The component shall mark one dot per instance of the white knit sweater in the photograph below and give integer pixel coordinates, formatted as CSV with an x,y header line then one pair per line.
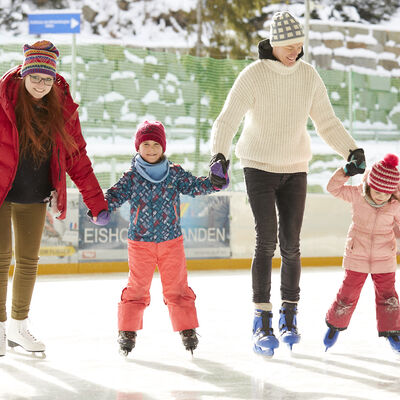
x,y
276,101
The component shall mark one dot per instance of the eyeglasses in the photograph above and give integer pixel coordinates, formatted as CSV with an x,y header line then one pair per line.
x,y
37,80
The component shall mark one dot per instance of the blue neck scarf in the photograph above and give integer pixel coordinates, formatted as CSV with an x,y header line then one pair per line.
x,y
155,173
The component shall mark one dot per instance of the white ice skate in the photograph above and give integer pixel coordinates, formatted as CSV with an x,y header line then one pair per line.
x,y
19,335
2,339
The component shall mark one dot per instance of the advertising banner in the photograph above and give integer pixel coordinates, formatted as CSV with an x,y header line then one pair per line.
x,y
205,227
60,239
103,243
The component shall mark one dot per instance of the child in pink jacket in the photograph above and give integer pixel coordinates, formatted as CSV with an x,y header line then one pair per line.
x,y
370,249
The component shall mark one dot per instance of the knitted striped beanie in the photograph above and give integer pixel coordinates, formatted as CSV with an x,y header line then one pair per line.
x,y
384,176
285,30
40,58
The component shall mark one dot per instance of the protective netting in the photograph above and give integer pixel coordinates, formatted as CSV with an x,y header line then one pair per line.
x,y
118,87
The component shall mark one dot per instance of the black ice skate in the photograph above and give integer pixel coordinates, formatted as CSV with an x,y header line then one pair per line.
x,y
126,341
189,339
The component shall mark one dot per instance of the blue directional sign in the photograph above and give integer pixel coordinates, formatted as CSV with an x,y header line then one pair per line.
x,y
54,23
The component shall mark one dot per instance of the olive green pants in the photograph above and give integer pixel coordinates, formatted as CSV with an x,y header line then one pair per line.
x,y
28,223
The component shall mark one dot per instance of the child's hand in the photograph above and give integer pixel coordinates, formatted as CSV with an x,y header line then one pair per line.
x,y
219,171
356,163
102,219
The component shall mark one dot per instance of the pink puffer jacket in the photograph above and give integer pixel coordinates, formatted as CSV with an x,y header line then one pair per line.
x,y
371,243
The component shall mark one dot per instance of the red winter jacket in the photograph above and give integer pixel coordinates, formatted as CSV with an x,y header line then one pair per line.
x,y
78,166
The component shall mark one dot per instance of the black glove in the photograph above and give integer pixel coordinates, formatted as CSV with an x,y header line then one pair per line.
x,y
356,163
219,171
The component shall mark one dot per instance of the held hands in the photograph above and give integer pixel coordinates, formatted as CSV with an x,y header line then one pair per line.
x,y
102,219
356,163
219,171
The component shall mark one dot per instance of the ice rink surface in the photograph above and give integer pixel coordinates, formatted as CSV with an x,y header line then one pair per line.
x,y
76,317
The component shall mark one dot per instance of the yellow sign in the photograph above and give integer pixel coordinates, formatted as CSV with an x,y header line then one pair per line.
x,y
57,251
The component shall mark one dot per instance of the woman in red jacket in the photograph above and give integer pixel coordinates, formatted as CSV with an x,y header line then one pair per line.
x,y
40,141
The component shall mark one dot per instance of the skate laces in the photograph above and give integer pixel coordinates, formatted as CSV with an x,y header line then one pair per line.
x,y
266,328
131,335
289,311
28,333
188,333
189,339
24,331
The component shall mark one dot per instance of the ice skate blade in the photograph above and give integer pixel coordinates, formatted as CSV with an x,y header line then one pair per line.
x,y
14,344
397,352
124,353
190,349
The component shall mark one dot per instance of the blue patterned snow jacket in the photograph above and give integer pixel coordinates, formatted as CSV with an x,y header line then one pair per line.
x,y
155,207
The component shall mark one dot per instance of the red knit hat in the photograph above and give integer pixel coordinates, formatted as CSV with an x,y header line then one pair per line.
x,y
151,130
384,176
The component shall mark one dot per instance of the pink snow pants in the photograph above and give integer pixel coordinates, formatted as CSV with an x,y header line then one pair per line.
x,y
386,300
170,258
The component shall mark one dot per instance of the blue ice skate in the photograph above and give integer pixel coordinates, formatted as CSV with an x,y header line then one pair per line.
x,y
288,324
263,335
331,336
394,341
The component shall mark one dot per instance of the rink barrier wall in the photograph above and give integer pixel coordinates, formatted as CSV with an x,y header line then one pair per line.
x,y
323,237
192,265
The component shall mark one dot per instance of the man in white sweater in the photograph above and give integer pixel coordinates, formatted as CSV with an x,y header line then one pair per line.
x,y
276,95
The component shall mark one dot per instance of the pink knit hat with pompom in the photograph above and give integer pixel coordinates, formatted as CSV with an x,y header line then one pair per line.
x,y
384,176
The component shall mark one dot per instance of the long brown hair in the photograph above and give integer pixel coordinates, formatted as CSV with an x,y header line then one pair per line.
x,y
38,122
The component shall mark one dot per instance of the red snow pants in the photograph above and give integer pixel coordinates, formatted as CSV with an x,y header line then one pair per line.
x,y
170,258
386,300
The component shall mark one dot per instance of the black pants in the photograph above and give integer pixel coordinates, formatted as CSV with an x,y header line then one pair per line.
x,y
268,192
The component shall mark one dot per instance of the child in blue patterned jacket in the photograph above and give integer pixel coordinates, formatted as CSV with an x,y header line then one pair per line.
x,y
152,186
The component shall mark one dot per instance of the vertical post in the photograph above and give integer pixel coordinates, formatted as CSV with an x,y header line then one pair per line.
x,y
199,17
306,30
73,66
113,172
198,97
350,92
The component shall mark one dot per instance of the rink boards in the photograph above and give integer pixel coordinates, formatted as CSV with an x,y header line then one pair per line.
x,y
218,232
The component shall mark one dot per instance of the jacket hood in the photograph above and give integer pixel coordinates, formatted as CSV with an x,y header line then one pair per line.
x,y
9,88
265,51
